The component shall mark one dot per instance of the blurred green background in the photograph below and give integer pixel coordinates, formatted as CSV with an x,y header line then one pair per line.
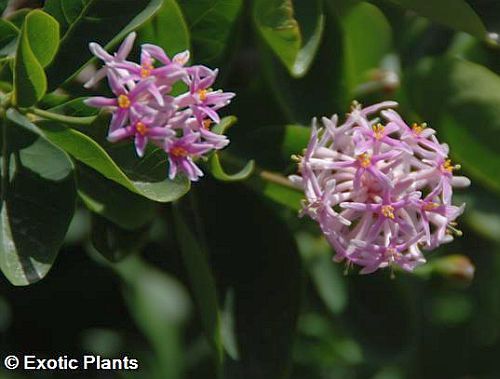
x,y
279,307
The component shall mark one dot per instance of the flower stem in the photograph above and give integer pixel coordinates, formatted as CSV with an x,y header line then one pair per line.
x,y
62,118
277,179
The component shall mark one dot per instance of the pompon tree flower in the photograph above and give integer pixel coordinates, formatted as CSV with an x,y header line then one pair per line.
x,y
380,190
145,111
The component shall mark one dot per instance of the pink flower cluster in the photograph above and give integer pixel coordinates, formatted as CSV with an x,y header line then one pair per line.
x,y
144,109
380,190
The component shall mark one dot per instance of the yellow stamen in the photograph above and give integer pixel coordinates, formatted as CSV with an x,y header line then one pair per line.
x,y
123,102
146,69
452,230
206,123
388,211
141,128
365,160
378,130
178,152
202,93
447,166
418,128
430,206
181,59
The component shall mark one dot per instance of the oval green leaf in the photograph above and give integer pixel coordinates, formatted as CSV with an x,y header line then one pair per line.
x,y
201,280
293,31
38,202
8,35
104,21
167,29
211,23
456,14
86,150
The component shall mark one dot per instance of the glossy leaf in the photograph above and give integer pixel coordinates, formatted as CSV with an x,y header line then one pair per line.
x,y
200,276
148,180
114,242
218,172
323,83
167,29
8,35
363,52
37,45
293,31
75,108
325,273
38,200
3,5
106,198
42,31
377,307
160,306
482,212
456,14
211,23
465,106
106,22
30,83
256,257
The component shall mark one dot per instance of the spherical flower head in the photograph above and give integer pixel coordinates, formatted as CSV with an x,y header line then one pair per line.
x,y
380,190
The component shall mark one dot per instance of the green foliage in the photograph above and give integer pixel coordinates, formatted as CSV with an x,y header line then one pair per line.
x,y
200,277
8,35
362,63
457,14
37,45
167,29
103,21
211,23
149,181
293,31
469,112
268,300
38,200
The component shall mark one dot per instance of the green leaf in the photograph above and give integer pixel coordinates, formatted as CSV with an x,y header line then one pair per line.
x,y
456,14
325,273
377,307
106,22
75,108
200,275
218,172
257,257
167,29
36,48
223,126
463,101
17,18
160,306
146,177
30,83
293,31
42,31
114,242
277,144
322,84
211,23
3,5
363,52
38,200
482,212
106,198
8,36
